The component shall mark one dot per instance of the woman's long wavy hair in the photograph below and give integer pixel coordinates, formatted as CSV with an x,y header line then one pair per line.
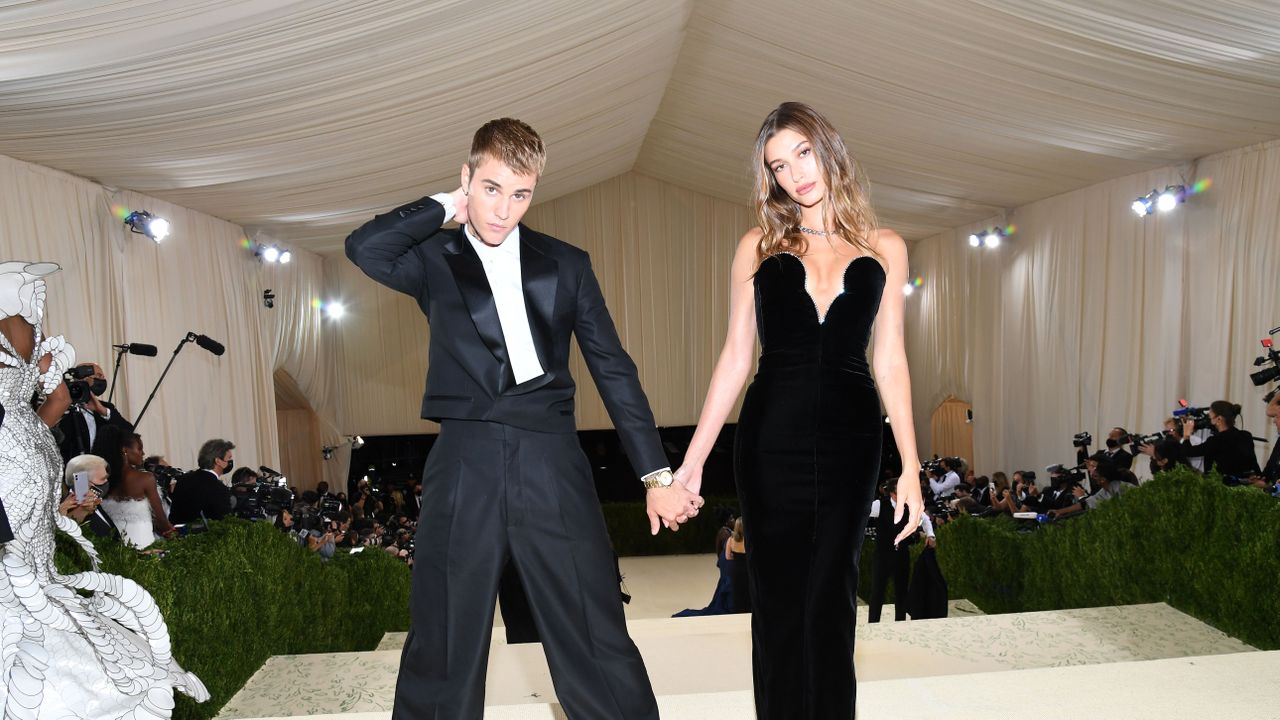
x,y
846,205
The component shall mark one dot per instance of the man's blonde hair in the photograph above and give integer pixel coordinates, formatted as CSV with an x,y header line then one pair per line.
x,y
82,463
512,143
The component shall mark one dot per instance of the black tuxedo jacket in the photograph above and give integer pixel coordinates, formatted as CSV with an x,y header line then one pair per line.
x,y
75,430
199,492
102,525
469,373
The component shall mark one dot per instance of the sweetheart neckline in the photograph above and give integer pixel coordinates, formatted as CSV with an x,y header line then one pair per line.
x,y
820,315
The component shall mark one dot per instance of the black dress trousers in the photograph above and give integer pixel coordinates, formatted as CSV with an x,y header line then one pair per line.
x,y
490,493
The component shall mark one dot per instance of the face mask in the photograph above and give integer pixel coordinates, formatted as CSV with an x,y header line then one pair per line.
x,y
230,466
1112,444
98,387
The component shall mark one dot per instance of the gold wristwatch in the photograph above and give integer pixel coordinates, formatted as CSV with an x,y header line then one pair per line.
x,y
658,479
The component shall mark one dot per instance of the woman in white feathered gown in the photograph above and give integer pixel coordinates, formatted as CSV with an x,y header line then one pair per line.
x,y
63,655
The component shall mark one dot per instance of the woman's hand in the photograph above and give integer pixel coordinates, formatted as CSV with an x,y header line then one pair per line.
x,y
69,503
691,477
909,502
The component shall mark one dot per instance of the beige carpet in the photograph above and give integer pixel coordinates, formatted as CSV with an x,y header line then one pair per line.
x,y
693,661
1233,687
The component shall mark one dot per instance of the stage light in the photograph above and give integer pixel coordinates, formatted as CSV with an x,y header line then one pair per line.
x,y
908,289
144,223
285,257
357,442
1168,199
990,237
335,310
1142,206
270,253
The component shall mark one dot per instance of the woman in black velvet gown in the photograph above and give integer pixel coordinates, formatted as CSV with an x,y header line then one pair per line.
x,y
812,280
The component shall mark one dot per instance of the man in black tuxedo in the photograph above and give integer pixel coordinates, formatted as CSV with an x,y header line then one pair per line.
x,y
507,478
201,492
80,424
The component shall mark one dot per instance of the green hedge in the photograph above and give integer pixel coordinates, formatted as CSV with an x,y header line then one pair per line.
x,y
243,592
1209,550
628,527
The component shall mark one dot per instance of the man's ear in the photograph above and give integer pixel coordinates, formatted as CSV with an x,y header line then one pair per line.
x,y
466,178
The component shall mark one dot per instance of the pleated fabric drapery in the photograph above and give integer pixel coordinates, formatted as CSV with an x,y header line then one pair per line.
x,y
1090,317
118,287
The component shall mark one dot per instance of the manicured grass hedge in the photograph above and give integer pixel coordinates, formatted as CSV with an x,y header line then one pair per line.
x,y
628,527
1209,550
242,592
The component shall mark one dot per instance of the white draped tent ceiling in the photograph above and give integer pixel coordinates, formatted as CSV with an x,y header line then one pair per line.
x,y
298,119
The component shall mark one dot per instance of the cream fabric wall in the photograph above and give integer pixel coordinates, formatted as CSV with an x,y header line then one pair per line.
x,y
662,256
121,287
1092,317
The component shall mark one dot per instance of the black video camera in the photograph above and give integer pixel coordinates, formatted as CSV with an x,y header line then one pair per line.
x,y
165,475
1271,357
1081,440
1137,441
77,386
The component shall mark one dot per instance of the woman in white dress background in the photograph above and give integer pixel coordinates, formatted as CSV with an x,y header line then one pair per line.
x,y
101,656
132,499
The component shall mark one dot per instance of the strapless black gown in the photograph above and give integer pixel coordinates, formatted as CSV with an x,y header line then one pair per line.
x,y
806,459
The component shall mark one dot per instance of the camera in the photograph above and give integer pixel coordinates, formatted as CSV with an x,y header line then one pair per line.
x,y
1081,440
165,476
1137,441
1271,356
77,385
1200,415
266,497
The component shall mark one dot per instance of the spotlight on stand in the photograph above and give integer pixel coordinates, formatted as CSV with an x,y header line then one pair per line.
x,y
355,441
144,223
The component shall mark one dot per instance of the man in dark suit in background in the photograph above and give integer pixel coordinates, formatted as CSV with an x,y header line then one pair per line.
x,y
507,477
80,424
201,492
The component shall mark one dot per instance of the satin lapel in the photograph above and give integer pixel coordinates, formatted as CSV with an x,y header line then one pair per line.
x,y
468,272
540,275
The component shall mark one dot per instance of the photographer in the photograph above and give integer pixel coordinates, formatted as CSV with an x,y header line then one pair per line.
x,y
946,486
1106,477
1230,450
81,422
244,492
1115,451
1062,492
892,562
201,492
1271,473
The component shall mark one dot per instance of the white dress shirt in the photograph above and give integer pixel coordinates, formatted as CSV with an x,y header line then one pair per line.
x,y
502,269
947,485
926,524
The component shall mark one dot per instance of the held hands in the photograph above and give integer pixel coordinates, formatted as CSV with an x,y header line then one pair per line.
x,y
671,506
909,501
